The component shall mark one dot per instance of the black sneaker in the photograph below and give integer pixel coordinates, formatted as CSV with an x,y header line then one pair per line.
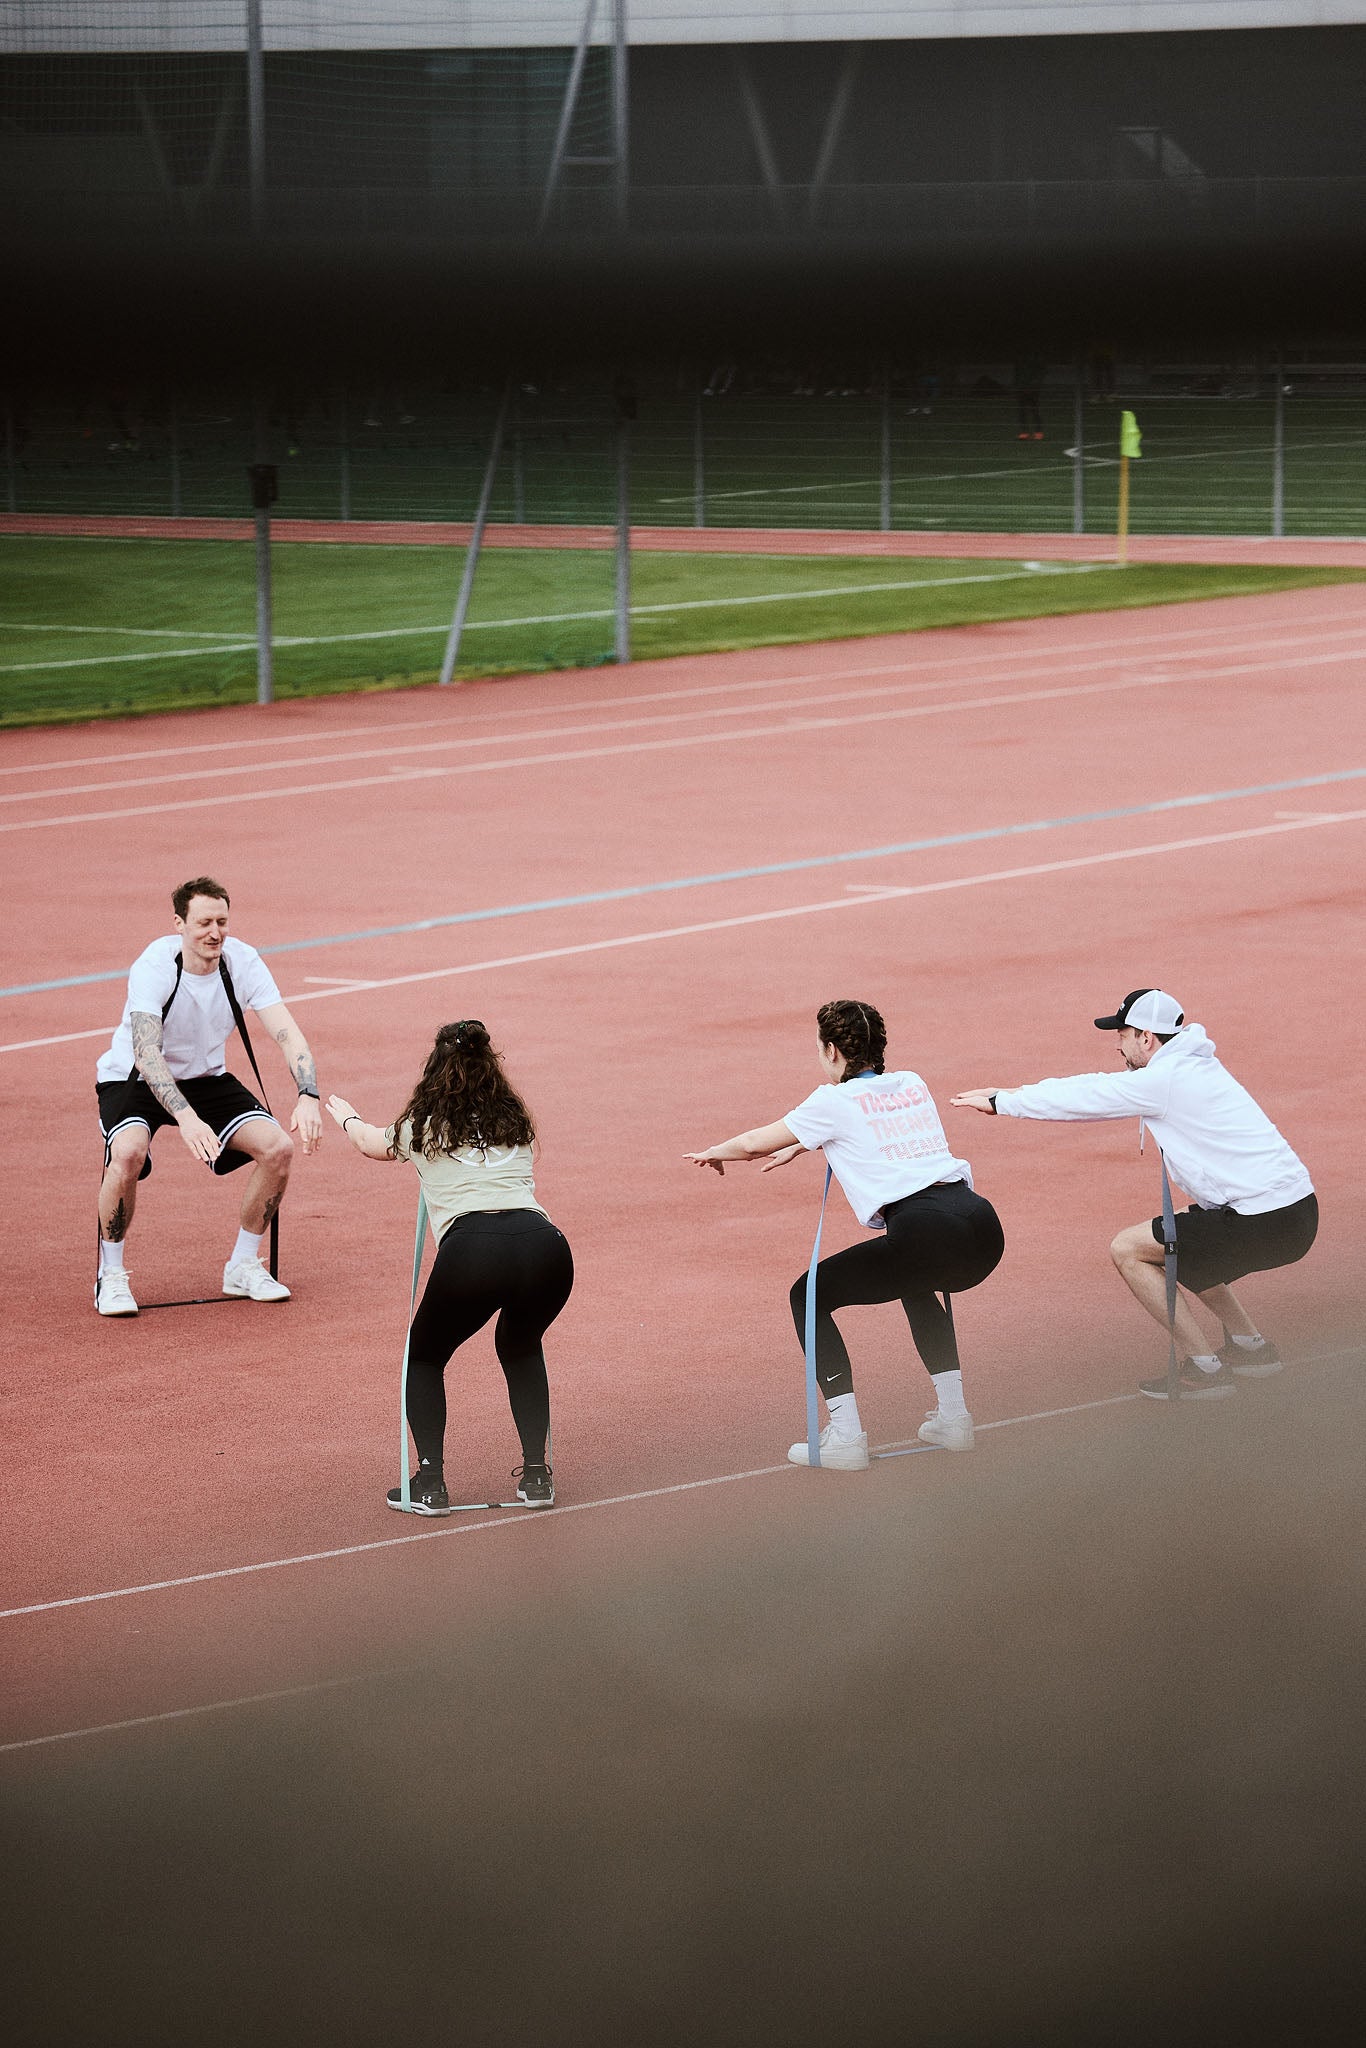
x,y
428,1494
535,1486
1196,1384
1251,1361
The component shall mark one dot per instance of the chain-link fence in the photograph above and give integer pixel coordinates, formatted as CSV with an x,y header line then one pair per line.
x,y
989,447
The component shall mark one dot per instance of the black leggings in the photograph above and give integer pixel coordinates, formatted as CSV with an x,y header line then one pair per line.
x,y
512,1263
945,1238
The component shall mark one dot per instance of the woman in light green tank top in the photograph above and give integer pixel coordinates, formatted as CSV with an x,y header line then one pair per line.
x,y
469,1136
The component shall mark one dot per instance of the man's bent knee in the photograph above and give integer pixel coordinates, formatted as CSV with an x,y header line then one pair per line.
x,y
126,1157
1135,1241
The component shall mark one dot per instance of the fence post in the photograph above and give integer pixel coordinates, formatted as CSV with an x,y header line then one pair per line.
x,y
885,453
481,520
263,486
518,468
622,579
1079,448
256,118
177,502
699,459
344,455
1278,451
11,472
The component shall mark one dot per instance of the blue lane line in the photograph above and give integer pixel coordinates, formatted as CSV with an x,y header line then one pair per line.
x,y
777,867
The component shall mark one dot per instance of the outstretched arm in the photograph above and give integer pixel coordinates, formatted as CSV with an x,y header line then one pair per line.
x,y
749,1145
307,1119
367,1138
151,1063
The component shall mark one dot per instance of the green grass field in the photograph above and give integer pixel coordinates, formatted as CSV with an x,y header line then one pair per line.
x,y
756,460
92,628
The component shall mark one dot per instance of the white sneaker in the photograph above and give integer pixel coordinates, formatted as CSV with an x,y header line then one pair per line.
x,y
249,1278
113,1294
838,1453
950,1432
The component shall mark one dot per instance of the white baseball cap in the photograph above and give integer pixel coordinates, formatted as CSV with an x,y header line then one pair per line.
x,y
1146,1009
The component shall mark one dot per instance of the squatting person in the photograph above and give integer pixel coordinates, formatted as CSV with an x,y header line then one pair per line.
x,y
469,1136
1253,1205
165,1066
885,1145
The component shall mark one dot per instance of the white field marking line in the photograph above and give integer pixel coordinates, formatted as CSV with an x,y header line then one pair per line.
x,y
467,1529
1174,630
142,632
848,901
692,604
723,924
908,480
788,727
352,980
1263,644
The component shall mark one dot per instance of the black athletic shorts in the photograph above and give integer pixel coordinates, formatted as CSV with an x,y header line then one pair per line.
x,y
220,1099
1217,1245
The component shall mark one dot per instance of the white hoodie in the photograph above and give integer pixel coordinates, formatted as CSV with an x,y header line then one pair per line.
x,y
1221,1148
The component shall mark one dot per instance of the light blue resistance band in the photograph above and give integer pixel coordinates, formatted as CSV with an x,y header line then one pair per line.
x,y
1169,1272
813,1427
405,1491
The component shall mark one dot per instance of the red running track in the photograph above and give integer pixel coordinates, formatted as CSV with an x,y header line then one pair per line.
x,y
217,1439
1220,550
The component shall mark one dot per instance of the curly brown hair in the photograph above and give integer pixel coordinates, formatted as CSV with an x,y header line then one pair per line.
x,y
857,1031
464,1097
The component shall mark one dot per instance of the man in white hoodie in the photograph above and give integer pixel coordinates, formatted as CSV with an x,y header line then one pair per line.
x,y
1252,1203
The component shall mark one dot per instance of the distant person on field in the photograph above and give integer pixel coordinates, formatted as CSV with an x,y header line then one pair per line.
x,y
885,1145
1253,1205
165,1066
1029,374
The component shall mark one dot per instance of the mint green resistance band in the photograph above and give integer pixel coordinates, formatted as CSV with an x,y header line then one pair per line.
x,y
813,1420
405,1484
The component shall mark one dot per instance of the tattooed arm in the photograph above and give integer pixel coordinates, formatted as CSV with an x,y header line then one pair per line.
x,y
151,1063
307,1119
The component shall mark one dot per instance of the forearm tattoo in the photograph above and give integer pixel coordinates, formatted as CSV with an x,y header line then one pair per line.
x,y
151,1062
116,1229
301,1062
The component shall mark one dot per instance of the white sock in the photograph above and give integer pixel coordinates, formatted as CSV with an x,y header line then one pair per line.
x,y
948,1387
111,1256
1206,1361
844,1415
1249,1343
246,1247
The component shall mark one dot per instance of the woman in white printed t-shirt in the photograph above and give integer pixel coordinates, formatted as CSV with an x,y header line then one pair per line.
x,y
885,1145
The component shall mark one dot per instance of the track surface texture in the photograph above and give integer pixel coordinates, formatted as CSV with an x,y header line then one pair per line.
x,y
1345,552
645,881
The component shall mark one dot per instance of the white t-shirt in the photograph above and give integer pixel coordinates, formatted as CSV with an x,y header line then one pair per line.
x,y
882,1139
198,1024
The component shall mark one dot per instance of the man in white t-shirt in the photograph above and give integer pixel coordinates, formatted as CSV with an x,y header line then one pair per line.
x,y
165,1066
1253,1205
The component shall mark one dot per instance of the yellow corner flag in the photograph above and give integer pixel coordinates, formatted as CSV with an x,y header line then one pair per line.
x,y
1129,436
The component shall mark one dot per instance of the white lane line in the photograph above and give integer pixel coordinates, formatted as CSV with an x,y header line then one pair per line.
x,y
338,980
915,684
140,632
786,728
469,1529
1168,638
722,924
692,604
519,1519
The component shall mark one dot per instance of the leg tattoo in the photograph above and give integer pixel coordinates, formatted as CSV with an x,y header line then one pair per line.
x,y
269,1212
117,1227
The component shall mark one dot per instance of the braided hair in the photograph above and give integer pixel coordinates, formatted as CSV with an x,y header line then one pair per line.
x,y
464,1097
857,1031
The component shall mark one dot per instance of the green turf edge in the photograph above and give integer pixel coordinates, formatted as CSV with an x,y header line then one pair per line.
x,y
1138,587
